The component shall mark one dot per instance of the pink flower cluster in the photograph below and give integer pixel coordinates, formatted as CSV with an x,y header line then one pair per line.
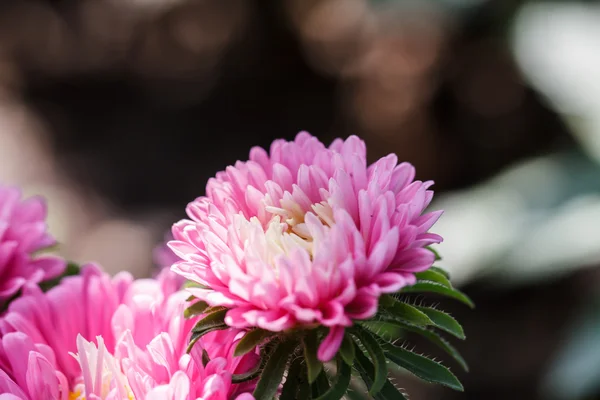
x,y
23,232
96,337
306,234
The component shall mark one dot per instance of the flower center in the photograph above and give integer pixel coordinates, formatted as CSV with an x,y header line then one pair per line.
x,y
287,230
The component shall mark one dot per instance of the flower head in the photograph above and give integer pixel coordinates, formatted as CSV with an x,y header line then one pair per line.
x,y
23,231
93,337
306,234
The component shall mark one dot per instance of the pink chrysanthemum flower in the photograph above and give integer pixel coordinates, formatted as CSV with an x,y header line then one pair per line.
x,y
93,337
23,231
306,235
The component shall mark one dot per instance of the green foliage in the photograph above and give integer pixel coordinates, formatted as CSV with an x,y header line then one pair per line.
x,y
272,373
347,350
342,382
397,310
251,340
71,269
195,309
439,341
422,367
292,381
293,354
444,322
367,372
321,385
314,366
213,321
438,288
368,340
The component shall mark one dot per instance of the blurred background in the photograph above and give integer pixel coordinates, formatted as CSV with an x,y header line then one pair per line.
x,y
120,110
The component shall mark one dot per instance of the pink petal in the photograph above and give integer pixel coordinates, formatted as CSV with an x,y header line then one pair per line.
x,y
330,346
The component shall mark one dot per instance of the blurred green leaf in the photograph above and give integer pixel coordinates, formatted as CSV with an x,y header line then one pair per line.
x,y
314,366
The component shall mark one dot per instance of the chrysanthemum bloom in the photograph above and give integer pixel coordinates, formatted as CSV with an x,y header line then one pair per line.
x,y
93,337
306,235
23,231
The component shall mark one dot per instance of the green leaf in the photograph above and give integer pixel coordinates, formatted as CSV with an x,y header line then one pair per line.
x,y
342,382
321,385
205,357
192,284
422,367
433,276
214,309
376,353
435,253
441,271
347,349
444,322
247,376
406,312
210,320
196,336
292,382
272,374
310,355
195,309
304,388
71,269
367,373
48,249
434,287
439,341
250,340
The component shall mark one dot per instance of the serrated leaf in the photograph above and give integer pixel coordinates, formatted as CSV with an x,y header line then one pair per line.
x,y
347,349
314,366
367,372
272,374
210,320
197,336
376,353
340,385
434,287
406,312
422,367
292,382
435,253
321,385
214,309
444,321
250,340
195,309
433,276
439,341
